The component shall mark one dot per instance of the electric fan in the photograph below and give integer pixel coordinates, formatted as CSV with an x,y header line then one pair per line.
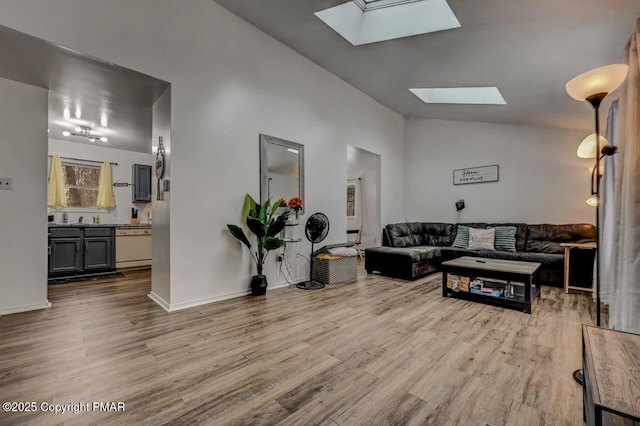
x,y
316,230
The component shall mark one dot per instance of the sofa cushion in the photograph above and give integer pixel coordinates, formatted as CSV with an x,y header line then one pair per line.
x,y
478,225
505,238
438,234
413,254
499,254
449,253
405,234
481,239
521,233
544,258
546,238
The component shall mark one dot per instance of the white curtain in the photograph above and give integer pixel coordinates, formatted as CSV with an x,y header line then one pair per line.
x,y
621,225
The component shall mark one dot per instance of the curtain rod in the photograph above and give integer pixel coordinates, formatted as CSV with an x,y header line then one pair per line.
x,y
88,161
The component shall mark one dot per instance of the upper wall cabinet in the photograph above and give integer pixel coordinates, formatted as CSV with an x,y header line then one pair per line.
x,y
141,191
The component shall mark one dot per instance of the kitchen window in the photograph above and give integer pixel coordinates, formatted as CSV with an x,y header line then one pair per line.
x,y
81,184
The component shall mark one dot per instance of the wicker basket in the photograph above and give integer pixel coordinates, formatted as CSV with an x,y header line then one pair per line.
x,y
335,270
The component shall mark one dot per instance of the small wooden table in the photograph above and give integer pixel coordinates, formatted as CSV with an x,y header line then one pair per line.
x,y
523,274
611,388
567,263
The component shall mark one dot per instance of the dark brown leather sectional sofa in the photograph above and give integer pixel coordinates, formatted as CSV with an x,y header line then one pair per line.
x,y
414,249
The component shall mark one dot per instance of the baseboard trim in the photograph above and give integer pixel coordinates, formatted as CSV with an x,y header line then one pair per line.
x,y
205,301
25,308
159,301
199,302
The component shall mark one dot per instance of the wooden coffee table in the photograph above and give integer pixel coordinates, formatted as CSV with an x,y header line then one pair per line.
x,y
513,284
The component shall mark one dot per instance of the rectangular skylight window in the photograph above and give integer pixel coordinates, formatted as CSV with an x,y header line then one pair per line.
x,y
375,4
383,20
461,95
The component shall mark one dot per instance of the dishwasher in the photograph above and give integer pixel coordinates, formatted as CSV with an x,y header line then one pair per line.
x,y
133,247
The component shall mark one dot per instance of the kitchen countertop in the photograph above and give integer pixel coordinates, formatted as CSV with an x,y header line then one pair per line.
x,y
99,225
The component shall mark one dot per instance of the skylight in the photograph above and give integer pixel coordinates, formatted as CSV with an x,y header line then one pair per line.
x,y
461,95
371,21
366,5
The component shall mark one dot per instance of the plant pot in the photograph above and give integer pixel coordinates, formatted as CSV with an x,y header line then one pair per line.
x,y
259,285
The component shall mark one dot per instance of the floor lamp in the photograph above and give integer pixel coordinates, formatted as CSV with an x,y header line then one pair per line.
x,y
593,86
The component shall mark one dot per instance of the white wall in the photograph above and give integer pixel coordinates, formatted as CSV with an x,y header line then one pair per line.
x,y
230,82
23,224
120,173
364,165
161,256
541,178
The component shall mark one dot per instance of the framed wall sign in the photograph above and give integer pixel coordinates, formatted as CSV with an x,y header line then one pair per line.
x,y
476,175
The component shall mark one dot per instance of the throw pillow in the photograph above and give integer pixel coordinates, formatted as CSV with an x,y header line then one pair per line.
x,y
481,239
343,251
506,238
462,237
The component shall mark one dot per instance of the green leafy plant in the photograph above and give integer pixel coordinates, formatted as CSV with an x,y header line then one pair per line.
x,y
265,225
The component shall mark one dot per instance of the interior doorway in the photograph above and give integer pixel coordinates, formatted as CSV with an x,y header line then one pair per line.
x,y
109,209
363,196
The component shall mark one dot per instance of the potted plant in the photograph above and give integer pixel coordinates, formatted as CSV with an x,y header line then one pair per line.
x,y
265,225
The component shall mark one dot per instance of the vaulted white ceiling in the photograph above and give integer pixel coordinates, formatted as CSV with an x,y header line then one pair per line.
x,y
529,49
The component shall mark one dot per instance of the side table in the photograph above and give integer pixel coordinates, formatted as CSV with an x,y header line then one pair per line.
x,y
567,263
611,377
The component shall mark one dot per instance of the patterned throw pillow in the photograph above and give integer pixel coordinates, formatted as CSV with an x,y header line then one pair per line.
x,y
462,237
481,239
506,238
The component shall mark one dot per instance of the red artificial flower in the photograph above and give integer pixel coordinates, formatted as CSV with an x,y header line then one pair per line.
x,y
295,203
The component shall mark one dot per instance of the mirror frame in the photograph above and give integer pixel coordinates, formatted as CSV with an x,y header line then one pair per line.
x,y
264,169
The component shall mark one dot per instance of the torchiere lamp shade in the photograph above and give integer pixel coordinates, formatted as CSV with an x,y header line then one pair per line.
x,y
588,149
593,201
599,80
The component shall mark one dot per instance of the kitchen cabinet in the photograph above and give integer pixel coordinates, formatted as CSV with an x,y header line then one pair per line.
x,y
141,190
98,249
64,251
81,251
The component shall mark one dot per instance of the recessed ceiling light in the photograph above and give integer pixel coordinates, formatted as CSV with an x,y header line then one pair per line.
x,y
66,133
388,21
104,139
78,129
461,95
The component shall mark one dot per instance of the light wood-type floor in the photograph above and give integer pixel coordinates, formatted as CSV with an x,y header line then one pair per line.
x,y
378,351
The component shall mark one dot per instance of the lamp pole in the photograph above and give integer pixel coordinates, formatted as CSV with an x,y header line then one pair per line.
x,y
602,81
595,101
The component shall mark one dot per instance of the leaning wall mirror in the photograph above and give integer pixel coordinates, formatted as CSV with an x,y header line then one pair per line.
x,y
281,169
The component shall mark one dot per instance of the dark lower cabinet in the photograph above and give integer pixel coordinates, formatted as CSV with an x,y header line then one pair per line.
x,y
97,253
64,257
81,251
